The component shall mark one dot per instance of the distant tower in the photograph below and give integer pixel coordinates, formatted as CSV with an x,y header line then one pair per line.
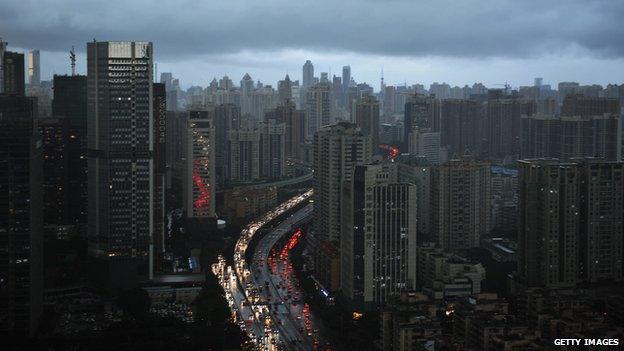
x,y
308,74
72,59
346,77
34,74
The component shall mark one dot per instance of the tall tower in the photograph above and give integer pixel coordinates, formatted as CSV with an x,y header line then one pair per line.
x,y
199,197
570,221
34,74
367,118
378,238
121,134
318,107
337,150
460,203
346,78
308,74
21,227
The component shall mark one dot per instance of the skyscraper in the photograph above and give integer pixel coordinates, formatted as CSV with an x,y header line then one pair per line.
x,y
296,128
21,252
34,75
199,190
337,150
460,203
308,74
367,118
284,89
346,78
570,221
503,125
243,154
423,112
272,157
159,103
13,73
120,124
227,117
460,127
378,239
2,50
318,107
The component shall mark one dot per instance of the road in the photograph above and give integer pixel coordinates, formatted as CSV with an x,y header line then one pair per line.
x,y
276,285
255,317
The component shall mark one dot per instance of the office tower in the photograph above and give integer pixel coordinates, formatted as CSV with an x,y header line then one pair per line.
x,y
243,154
425,143
21,252
417,170
159,97
346,77
337,92
461,127
367,118
503,125
69,107
271,156
378,239
570,221
199,192
296,128
308,74
227,117
246,88
34,73
337,150
120,125
166,78
388,101
566,137
460,203
423,112
318,107
284,89
13,71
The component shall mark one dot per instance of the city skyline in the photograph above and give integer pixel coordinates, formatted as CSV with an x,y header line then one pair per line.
x,y
464,44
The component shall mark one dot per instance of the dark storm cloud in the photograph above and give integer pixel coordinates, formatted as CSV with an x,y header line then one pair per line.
x,y
401,28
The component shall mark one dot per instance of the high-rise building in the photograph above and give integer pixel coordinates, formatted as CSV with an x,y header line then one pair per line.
x,y
69,107
13,73
120,137
243,154
461,127
296,128
21,252
425,143
367,118
284,89
571,216
199,198
246,88
378,239
346,77
337,150
583,106
503,125
460,203
34,73
3,46
423,112
308,74
318,107
567,88
566,137
272,149
227,117
159,97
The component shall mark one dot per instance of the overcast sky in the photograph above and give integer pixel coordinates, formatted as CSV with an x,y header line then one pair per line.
x,y
455,41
